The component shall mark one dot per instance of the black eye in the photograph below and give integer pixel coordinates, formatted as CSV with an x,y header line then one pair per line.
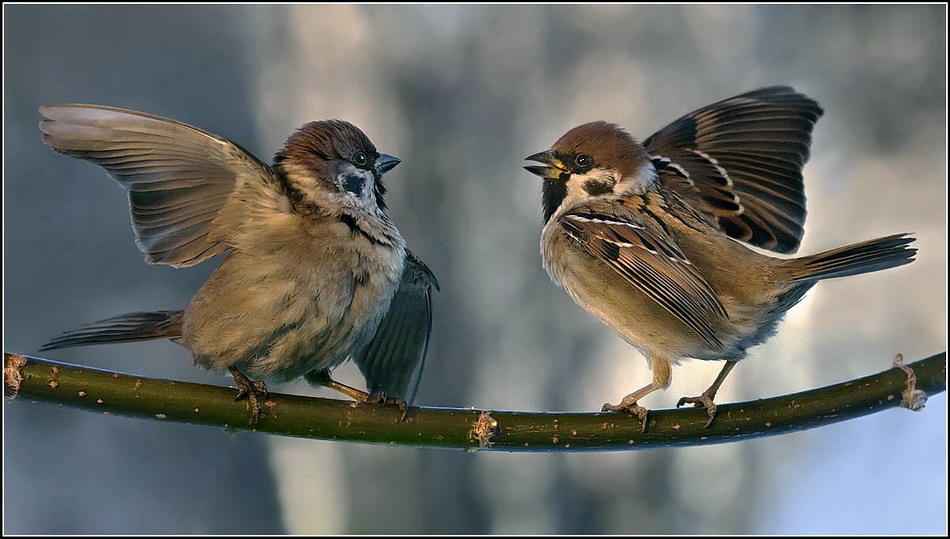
x,y
583,160
360,159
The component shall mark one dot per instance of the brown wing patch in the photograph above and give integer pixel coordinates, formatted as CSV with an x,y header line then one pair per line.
x,y
744,157
650,260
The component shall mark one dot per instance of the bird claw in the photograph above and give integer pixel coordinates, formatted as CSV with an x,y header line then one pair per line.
x,y
403,408
704,401
254,391
376,398
633,409
381,398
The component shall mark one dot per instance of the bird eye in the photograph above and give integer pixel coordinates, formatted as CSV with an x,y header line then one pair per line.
x,y
360,159
583,160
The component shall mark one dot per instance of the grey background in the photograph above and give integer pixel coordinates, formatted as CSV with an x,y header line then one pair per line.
x,y
462,94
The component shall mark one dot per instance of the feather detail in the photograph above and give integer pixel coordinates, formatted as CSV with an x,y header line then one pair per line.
x,y
179,178
648,257
744,157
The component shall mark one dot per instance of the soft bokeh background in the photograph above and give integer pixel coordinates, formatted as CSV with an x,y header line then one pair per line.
x,y
462,94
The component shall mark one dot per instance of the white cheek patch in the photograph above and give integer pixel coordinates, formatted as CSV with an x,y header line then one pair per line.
x,y
583,187
596,182
640,181
601,182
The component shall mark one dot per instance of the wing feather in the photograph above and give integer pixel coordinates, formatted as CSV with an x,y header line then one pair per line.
x,y
743,156
178,177
392,362
647,257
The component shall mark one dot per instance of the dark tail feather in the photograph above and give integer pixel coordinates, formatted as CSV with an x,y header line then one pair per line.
x,y
864,257
129,327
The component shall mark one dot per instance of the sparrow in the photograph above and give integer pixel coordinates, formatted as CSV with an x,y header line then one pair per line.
x,y
314,271
654,239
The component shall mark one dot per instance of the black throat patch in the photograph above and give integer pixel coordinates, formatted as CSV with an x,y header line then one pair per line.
x,y
553,192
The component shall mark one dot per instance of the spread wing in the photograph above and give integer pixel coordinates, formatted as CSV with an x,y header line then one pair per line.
x,y
743,156
392,362
646,256
178,177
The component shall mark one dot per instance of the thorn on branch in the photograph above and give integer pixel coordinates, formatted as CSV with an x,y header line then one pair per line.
x,y
484,428
12,375
911,398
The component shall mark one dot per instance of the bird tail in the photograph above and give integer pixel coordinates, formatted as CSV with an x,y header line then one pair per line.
x,y
129,327
855,259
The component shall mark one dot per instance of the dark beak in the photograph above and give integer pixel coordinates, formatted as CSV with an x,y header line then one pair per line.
x,y
385,163
554,169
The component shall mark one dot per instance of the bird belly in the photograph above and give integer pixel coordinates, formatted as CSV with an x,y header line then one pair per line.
x,y
607,296
283,315
646,325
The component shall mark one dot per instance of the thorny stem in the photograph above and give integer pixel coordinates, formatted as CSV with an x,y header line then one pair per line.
x,y
34,379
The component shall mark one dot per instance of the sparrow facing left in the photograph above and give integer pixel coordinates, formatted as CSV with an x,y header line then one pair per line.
x,y
651,238
315,272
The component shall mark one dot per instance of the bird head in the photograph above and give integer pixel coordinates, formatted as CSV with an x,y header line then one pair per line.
x,y
591,161
333,165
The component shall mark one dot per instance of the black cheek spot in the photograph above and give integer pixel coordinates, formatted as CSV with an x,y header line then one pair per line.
x,y
596,188
353,183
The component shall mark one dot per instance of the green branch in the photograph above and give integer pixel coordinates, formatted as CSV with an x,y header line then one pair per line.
x,y
33,379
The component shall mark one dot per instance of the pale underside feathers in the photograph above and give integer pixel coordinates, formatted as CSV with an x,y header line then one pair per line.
x,y
743,157
644,254
179,177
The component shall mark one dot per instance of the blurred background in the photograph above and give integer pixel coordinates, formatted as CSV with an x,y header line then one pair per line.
x,y
462,94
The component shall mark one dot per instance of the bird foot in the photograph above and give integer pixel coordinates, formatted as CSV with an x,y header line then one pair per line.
x,y
255,391
381,398
703,401
632,408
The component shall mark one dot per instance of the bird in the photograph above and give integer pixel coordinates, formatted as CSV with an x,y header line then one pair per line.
x,y
314,271
666,241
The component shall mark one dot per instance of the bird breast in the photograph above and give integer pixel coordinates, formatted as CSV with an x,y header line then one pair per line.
x,y
297,296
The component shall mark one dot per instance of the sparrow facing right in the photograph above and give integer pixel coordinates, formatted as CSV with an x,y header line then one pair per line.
x,y
651,238
315,272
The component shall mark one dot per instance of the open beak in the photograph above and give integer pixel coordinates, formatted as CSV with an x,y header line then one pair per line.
x,y
385,163
554,167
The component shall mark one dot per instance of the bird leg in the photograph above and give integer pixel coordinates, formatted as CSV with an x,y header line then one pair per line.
x,y
322,378
662,376
706,399
255,391
629,404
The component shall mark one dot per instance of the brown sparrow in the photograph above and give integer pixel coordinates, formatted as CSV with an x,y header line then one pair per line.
x,y
652,238
315,271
